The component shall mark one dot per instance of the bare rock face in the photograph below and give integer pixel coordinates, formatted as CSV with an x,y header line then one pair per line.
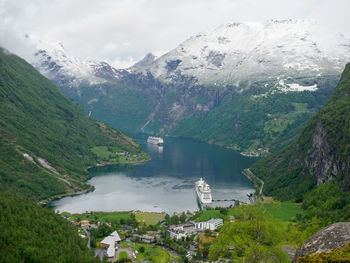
x,y
325,240
322,160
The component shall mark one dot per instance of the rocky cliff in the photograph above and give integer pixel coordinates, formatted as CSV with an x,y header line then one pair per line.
x,y
319,155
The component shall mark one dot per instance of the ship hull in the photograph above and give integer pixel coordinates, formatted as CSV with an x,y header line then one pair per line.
x,y
201,205
203,194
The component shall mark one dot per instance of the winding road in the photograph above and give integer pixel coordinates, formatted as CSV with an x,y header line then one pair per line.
x,y
247,172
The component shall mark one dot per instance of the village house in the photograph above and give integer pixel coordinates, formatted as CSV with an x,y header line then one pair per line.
x,y
178,234
125,228
144,238
84,223
211,224
181,231
189,227
110,243
147,239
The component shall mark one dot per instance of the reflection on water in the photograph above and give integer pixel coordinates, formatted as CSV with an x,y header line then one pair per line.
x,y
154,149
166,183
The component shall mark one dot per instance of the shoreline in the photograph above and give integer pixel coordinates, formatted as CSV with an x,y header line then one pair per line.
x,y
106,164
114,163
231,148
91,187
57,197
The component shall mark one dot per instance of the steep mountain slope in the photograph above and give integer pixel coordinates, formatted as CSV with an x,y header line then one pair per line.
x,y
30,233
320,155
46,141
247,86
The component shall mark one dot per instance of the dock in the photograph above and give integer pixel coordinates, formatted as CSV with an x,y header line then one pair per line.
x,y
224,200
220,203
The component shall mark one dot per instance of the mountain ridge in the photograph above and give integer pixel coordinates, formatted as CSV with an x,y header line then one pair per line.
x,y
236,52
254,113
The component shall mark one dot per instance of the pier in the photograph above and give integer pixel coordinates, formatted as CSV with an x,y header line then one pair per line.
x,y
219,203
224,200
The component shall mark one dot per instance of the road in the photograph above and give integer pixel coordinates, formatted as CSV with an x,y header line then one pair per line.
x,y
88,235
261,181
251,176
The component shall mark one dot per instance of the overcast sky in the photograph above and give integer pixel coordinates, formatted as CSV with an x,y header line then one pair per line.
x,y
123,31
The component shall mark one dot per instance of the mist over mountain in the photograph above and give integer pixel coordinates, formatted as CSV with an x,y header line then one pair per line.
x,y
264,80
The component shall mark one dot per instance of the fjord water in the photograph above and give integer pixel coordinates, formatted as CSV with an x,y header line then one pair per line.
x,y
166,183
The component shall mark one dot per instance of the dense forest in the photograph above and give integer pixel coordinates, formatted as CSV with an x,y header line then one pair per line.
x,y
46,141
30,233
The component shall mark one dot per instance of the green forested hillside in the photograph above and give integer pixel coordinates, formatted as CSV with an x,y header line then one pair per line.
x,y
252,121
248,122
30,233
319,156
46,141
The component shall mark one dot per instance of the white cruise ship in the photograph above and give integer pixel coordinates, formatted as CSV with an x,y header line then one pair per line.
x,y
203,192
155,140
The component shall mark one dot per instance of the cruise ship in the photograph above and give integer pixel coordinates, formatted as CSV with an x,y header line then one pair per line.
x,y
155,140
203,192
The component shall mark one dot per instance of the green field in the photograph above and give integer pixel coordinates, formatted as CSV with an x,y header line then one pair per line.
x,y
123,255
149,218
153,254
111,217
284,211
109,154
208,214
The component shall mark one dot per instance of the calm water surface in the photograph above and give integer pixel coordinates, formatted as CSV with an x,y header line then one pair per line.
x,y
166,183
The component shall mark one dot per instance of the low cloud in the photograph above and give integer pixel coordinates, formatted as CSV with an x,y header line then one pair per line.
x,y
122,32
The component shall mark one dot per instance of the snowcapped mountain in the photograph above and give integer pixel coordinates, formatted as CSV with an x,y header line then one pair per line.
x,y
237,52
147,60
232,54
54,62
246,86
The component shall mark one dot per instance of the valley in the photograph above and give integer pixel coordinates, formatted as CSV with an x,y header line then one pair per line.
x,y
245,86
259,110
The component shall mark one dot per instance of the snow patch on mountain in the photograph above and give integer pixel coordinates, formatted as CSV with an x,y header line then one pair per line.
x,y
284,87
54,62
238,52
